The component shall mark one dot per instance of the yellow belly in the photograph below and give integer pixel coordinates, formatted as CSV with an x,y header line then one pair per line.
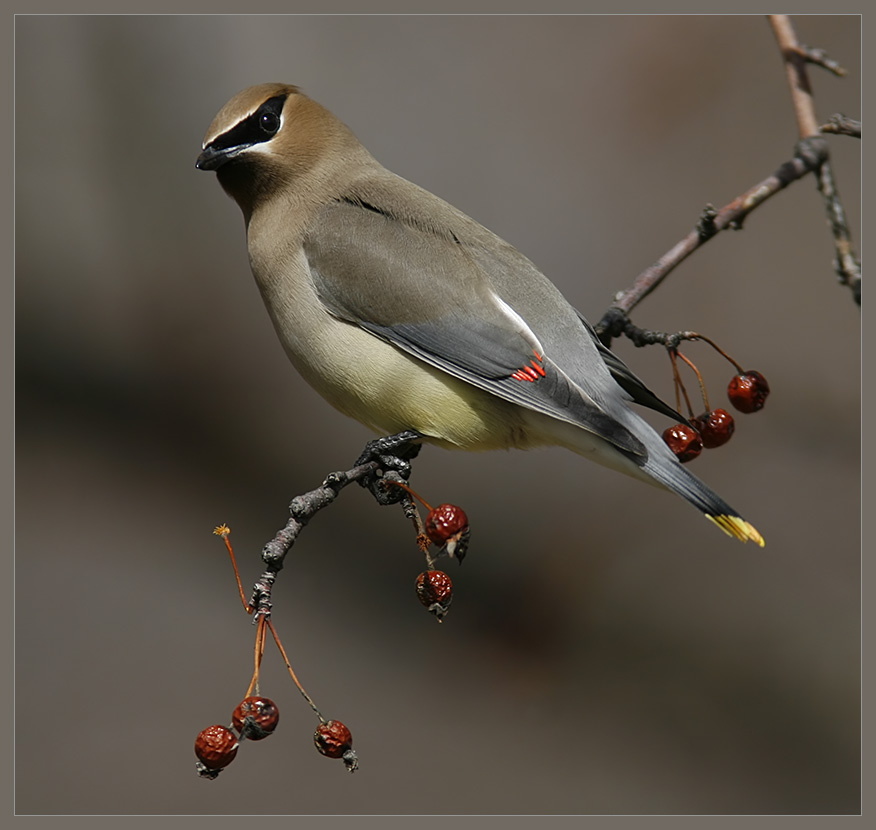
x,y
389,391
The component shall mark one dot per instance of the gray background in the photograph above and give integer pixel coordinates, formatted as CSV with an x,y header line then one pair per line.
x,y
608,651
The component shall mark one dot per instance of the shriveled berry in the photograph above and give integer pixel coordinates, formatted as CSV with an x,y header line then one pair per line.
x,y
447,525
332,739
434,586
216,747
748,391
715,427
435,591
684,441
256,717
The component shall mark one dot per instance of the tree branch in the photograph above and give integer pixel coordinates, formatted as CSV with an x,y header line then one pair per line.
x,y
810,154
304,507
796,56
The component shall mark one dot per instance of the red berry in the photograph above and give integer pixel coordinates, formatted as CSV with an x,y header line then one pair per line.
x,y
684,441
216,747
447,525
434,586
332,739
748,391
715,427
435,591
256,717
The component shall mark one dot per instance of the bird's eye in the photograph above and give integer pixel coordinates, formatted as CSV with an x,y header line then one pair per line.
x,y
269,122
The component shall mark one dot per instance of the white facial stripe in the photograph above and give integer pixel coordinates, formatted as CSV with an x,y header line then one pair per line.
x,y
261,147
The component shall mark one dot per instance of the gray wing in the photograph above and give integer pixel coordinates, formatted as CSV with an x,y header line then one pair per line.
x,y
430,293
625,378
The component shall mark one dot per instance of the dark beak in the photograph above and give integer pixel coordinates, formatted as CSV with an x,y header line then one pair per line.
x,y
212,158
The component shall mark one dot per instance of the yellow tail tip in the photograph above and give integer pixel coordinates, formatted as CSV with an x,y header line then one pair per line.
x,y
738,527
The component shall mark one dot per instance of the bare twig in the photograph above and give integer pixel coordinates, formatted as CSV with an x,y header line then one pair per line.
x,y
846,263
820,58
810,154
392,456
304,507
840,124
795,69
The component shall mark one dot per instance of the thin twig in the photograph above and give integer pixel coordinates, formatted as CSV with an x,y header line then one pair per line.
x,y
796,56
820,58
795,69
376,475
809,157
839,124
304,507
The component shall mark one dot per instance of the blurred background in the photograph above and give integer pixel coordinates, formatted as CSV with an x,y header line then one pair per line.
x,y
608,651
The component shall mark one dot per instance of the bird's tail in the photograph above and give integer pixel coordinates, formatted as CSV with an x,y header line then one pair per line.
x,y
672,475
661,468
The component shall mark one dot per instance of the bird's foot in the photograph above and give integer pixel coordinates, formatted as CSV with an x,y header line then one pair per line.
x,y
392,454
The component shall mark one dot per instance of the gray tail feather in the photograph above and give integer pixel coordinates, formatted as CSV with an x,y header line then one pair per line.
x,y
670,473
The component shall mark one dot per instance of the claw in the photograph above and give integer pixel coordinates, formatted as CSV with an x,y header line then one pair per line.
x,y
381,449
393,454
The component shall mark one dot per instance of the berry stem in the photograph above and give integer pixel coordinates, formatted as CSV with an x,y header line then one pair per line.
x,y
258,653
224,531
291,671
717,348
413,514
679,384
423,541
416,495
699,378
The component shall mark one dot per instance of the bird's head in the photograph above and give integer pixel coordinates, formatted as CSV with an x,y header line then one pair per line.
x,y
272,136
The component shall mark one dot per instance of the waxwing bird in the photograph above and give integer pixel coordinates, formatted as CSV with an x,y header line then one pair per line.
x,y
405,314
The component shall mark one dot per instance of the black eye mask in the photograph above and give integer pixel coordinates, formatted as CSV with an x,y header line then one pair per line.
x,y
261,126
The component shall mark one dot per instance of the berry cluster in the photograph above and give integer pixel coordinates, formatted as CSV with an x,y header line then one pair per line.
x,y
216,746
747,391
256,717
446,526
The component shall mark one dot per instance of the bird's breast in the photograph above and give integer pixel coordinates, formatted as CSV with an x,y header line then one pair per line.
x,y
372,380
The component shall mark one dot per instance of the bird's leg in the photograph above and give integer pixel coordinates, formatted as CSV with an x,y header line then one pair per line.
x,y
393,453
